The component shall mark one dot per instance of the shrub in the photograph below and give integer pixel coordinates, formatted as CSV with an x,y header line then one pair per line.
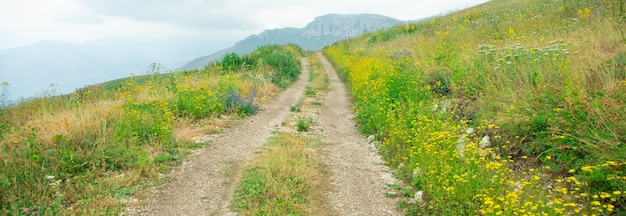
x,y
244,106
231,62
283,59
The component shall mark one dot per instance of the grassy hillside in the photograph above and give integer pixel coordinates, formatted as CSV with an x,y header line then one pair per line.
x,y
513,107
87,152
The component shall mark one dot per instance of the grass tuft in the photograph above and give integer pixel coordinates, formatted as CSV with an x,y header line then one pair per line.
x,y
303,124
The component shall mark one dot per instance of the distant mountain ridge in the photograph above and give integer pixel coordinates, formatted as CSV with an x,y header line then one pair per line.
x,y
61,67
30,70
322,31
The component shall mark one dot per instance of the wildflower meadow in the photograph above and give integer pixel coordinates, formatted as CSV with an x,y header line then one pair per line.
x,y
507,108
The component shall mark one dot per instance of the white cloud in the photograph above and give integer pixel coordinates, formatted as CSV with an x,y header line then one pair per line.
x,y
80,17
26,21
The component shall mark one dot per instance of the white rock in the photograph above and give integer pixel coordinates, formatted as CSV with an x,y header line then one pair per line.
x,y
485,142
417,172
460,145
435,107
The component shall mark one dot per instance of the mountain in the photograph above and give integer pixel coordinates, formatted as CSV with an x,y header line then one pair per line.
x,y
31,70
324,30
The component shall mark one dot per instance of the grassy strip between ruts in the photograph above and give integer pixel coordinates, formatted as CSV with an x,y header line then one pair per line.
x,y
286,178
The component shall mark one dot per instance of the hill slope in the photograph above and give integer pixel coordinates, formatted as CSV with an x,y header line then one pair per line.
x,y
31,69
78,154
323,31
514,107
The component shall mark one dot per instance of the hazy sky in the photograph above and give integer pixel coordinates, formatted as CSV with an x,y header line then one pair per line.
x,y
23,22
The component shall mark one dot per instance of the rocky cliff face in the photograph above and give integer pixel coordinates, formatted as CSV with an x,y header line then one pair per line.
x,y
335,26
324,30
343,26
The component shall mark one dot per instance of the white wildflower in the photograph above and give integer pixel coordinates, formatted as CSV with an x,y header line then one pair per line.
x,y
419,196
417,172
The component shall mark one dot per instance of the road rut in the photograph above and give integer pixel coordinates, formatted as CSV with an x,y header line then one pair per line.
x,y
359,178
204,183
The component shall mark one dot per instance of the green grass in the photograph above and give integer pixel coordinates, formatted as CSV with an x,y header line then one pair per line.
x,y
318,79
303,124
285,179
542,81
295,107
309,91
84,152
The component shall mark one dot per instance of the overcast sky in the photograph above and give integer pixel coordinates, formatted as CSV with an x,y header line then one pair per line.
x,y
23,22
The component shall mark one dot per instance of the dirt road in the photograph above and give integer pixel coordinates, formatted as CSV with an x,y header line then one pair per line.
x,y
204,184
359,179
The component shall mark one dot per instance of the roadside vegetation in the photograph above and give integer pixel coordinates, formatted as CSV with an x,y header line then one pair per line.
x,y
87,152
507,108
287,177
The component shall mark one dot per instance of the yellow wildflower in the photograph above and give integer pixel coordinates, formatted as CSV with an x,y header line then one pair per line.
x,y
604,195
587,168
571,204
610,207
